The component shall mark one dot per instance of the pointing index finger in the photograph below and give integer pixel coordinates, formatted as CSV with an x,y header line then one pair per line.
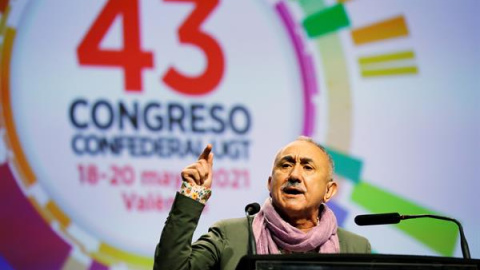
x,y
206,152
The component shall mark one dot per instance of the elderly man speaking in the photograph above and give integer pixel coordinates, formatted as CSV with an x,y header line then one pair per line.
x,y
294,219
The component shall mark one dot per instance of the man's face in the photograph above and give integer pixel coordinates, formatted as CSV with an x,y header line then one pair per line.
x,y
300,180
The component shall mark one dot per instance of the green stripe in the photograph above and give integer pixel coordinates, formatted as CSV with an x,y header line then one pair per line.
x,y
346,166
309,7
440,236
326,21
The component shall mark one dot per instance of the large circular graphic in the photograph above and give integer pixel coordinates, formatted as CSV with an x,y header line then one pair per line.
x,y
116,97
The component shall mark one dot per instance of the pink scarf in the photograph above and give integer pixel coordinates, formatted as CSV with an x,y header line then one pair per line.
x,y
272,232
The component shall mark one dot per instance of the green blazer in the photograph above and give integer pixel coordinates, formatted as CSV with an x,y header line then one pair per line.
x,y
224,244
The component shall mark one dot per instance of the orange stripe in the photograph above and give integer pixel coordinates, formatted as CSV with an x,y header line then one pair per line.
x,y
58,214
392,28
21,161
3,20
3,5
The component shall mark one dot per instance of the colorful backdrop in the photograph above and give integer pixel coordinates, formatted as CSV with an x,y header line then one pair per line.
x,y
104,102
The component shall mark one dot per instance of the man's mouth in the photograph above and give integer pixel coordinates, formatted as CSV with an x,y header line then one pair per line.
x,y
292,191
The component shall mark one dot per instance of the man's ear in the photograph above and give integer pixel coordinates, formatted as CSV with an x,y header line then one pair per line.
x,y
330,192
268,184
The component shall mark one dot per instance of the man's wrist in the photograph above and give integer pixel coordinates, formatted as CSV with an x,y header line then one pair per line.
x,y
198,193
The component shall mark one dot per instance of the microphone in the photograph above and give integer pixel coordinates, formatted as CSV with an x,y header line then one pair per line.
x,y
250,210
394,218
377,219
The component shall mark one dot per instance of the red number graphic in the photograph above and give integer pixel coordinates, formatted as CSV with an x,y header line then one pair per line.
x,y
131,58
89,174
190,33
122,175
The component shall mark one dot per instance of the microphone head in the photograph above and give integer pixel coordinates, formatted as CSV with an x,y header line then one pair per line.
x,y
252,209
378,219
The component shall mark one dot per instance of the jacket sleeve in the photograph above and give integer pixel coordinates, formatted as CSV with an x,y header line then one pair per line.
x,y
353,243
368,248
175,249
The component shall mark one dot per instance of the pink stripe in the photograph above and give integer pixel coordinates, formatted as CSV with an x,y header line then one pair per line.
x,y
27,241
97,266
305,62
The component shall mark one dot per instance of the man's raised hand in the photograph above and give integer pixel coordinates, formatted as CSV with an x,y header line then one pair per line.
x,y
200,173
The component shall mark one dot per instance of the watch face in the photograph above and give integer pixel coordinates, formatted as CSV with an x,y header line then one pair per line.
x,y
105,102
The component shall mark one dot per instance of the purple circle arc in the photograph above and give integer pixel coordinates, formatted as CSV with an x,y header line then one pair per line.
x,y
307,68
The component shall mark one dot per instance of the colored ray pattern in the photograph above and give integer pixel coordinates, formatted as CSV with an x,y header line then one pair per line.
x,y
388,29
346,166
439,235
391,64
109,255
389,71
326,21
318,16
386,58
397,63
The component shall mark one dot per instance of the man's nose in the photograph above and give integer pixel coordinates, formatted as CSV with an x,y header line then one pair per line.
x,y
295,173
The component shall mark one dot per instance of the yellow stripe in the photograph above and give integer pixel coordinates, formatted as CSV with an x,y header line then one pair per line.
x,y
389,65
390,72
386,57
338,92
392,28
58,214
21,161
115,255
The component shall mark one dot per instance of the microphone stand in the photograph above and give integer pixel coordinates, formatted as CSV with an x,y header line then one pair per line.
x,y
251,210
252,246
463,239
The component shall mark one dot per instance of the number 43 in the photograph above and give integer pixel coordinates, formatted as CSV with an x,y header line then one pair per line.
x,y
132,59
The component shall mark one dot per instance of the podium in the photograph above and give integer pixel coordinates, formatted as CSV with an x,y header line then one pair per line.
x,y
353,262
